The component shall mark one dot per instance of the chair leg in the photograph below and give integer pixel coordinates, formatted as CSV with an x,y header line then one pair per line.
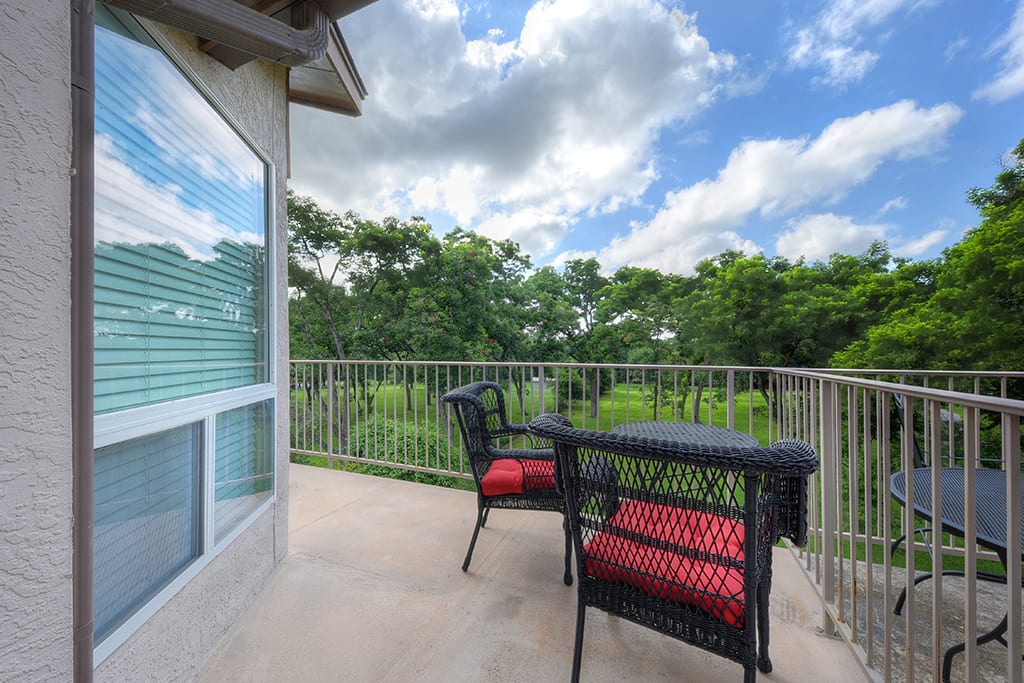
x,y
577,651
749,674
481,514
567,578
484,521
763,618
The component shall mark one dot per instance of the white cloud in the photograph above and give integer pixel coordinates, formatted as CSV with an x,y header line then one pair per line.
x,y
817,237
131,209
566,256
774,177
833,40
922,244
955,48
534,232
1009,82
560,121
894,204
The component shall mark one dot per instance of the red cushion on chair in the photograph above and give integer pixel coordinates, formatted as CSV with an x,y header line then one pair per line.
x,y
506,476
714,588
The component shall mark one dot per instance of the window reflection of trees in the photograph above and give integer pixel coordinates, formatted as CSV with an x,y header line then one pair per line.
x,y
175,326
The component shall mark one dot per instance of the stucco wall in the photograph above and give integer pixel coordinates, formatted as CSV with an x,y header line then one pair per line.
x,y
35,412
177,641
35,404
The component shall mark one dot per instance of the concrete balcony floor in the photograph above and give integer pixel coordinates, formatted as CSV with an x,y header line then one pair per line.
x,y
372,590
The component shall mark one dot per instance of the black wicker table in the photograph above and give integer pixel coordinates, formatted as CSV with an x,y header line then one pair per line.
x,y
989,518
688,432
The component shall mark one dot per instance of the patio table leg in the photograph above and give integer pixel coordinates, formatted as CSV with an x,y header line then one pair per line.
x,y
994,634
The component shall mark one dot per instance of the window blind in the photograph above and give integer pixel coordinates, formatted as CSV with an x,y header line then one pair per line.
x,y
146,520
244,467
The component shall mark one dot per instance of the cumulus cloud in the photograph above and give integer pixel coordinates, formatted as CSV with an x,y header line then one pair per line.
x,y
817,237
557,122
534,232
1009,82
834,39
776,177
573,254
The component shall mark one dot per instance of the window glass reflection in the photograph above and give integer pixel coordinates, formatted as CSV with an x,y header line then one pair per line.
x,y
180,236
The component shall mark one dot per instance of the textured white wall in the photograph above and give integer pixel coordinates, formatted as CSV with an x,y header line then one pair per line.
x,y
176,643
35,410
35,358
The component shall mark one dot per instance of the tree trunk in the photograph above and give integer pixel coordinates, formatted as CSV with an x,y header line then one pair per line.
x,y
763,387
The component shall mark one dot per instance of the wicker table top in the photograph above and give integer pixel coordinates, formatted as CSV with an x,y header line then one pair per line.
x,y
688,432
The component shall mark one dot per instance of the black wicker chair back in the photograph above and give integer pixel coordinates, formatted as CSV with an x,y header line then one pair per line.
x,y
507,475
678,537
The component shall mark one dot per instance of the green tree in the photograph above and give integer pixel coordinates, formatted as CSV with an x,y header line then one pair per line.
x,y
473,306
585,289
732,313
550,317
973,316
353,280
639,323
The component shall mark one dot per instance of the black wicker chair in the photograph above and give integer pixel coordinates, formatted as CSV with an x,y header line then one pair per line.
x,y
678,537
508,478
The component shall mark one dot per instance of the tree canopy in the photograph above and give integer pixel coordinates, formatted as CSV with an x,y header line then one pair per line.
x,y
392,289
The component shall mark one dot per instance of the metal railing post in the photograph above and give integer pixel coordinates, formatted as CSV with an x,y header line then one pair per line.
x,y
1010,432
829,500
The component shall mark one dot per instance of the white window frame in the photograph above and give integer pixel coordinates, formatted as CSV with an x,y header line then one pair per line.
x,y
131,423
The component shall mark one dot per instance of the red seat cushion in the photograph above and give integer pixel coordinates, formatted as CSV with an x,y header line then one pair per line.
x,y
509,476
708,585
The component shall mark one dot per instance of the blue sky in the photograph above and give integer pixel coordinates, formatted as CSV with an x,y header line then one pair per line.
x,y
655,133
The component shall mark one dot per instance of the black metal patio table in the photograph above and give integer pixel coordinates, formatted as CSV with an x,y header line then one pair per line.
x,y
989,519
688,432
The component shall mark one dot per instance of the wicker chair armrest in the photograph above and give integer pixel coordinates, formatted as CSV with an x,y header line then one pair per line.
x,y
522,430
520,453
788,496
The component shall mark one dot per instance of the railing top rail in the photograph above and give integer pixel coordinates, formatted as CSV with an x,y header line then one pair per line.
x,y
931,373
980,401
524,364
655,366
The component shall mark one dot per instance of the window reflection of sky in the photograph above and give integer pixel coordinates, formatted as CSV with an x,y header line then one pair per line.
x,y
180,222
171,170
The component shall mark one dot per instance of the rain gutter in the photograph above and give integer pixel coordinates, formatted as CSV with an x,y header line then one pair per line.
x,y
232,24
82,231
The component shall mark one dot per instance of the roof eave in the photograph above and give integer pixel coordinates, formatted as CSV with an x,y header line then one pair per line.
x,y
300,35
331,83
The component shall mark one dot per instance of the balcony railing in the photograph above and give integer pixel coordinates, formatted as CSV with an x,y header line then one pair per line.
x,y
866,426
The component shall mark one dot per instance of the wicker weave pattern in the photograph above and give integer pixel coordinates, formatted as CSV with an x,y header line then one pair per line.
x,y
480,412
678,537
